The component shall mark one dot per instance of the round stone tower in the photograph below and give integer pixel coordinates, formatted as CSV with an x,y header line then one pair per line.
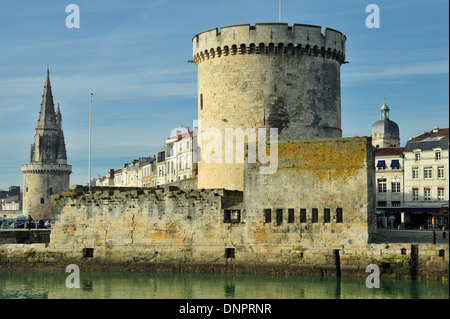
x,y
271,75
48,172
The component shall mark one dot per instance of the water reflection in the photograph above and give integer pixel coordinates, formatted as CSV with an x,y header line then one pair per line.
x,y
117,285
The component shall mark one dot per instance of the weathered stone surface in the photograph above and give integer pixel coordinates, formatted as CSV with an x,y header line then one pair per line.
x,y
270,75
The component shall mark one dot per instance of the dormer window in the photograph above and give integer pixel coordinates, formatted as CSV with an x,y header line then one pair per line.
x,y
437,155
417,156
395,164
381,165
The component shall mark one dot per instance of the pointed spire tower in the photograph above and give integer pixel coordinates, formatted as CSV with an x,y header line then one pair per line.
x,y
48,172
47,117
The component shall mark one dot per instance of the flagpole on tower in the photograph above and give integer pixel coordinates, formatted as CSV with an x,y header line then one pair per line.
x,y
280,11
90,138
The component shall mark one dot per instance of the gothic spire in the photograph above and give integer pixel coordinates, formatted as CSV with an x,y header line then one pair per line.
x,y
49,146
47,116
58,116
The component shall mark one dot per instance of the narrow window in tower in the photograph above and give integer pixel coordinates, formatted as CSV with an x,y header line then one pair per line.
x,y
268,215
339,216
51,191
201,102
42,200
290,215
302,215
315,215
279,216
326,215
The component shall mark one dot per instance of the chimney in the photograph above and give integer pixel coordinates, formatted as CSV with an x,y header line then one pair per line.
x,y
436,129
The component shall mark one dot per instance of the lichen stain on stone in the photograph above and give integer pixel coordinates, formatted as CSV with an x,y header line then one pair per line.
x,y
327,161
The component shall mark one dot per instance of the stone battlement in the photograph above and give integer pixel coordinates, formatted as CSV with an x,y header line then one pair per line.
x,y
269,38
39,168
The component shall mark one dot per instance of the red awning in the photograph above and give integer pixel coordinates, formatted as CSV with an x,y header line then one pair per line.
x,y
439,214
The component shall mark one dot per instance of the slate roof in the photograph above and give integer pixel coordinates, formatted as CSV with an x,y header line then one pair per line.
x,y
429,140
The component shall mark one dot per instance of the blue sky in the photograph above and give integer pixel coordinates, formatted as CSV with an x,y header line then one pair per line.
x,y
132,55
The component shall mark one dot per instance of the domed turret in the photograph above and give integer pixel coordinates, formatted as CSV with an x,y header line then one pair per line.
x,y
385,133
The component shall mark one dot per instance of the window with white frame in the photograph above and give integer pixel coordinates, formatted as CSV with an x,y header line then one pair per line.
x,y
395,185
441,172
188,162
427,194
415,173
441,193
415,194
382,185
427,172
437,155
417,156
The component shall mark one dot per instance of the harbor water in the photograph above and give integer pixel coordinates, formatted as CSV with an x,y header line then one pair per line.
x,y
147,285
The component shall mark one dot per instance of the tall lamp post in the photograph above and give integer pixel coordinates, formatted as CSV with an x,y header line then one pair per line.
x,y
90,138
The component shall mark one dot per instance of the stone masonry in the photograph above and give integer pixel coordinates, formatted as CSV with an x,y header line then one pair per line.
x,y
195,224
219,230
270,75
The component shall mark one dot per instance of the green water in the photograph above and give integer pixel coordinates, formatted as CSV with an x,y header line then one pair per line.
x,y
140,285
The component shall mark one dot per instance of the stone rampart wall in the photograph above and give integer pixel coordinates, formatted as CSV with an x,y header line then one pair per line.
x,y
232,231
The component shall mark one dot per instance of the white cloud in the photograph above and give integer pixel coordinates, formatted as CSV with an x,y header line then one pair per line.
x,y
378,72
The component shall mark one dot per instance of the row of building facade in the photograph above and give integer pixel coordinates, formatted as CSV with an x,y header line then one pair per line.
x,y
175,162
10,202
412,182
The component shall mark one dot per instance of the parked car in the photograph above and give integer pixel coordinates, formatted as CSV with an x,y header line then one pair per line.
x,y
47,223
24,223
7,224
19,224
40,223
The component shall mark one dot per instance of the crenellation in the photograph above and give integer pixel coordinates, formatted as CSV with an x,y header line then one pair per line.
x,y
268,38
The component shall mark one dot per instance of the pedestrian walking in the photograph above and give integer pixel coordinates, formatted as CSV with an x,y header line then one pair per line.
x,y
29,220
